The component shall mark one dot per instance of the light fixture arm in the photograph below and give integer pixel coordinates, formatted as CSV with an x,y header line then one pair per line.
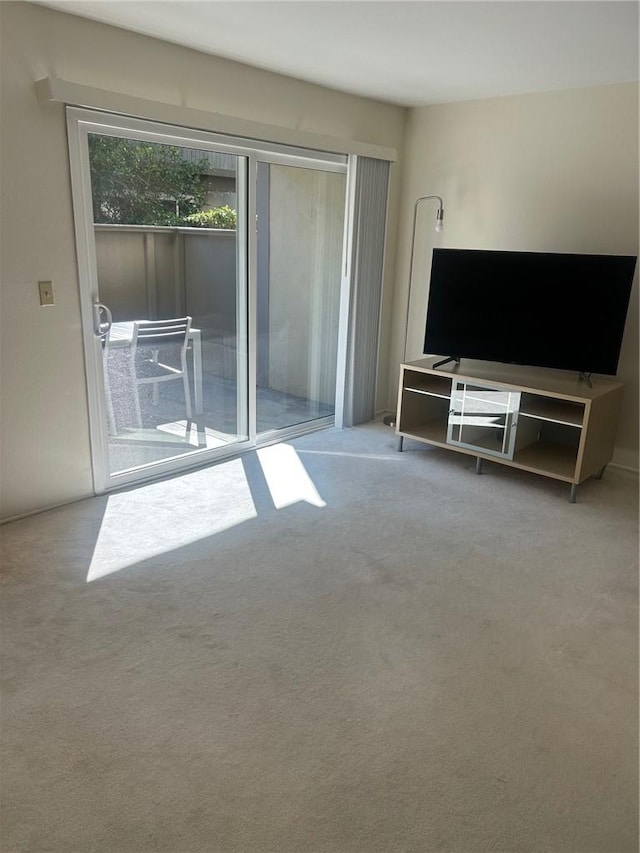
x,y
439,221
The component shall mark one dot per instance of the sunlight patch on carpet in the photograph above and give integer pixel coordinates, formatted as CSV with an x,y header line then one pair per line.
x,y
286,476
167,516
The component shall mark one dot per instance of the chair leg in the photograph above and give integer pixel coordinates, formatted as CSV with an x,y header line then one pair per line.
x,y
187,393
155,398
111,417
134,391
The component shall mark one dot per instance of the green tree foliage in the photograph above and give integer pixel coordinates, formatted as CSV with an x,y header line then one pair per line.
x,y
218,217
141,183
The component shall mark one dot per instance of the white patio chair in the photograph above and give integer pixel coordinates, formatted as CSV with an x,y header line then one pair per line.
x,y
150,356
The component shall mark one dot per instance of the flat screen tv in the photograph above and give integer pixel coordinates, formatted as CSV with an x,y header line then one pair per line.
x,y
564,311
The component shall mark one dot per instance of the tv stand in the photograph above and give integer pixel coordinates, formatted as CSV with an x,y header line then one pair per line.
x,y
543,421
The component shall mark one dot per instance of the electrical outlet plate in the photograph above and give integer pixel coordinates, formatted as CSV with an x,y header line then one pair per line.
x,y
46,292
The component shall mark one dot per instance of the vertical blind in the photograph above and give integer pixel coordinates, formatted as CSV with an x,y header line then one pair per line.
x,y
368,227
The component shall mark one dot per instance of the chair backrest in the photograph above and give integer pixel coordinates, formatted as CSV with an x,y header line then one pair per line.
x,y
158,332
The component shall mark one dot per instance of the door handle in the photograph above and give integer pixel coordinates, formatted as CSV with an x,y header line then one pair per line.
x,y
101,327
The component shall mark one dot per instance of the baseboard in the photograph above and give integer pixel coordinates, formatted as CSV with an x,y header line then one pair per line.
x,y
623,467
42,509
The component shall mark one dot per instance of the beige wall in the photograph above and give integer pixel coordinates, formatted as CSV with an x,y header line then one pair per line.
x,y
542,172
44,455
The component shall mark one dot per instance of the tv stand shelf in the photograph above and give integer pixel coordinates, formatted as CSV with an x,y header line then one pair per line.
x,y
543,421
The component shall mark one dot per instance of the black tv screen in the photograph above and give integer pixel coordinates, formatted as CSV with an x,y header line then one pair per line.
x,y
564,311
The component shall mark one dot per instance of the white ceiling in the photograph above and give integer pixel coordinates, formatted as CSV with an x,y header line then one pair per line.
x,y
409,53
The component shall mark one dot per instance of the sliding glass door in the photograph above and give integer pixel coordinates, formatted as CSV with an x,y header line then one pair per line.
x,y
202,335
162,247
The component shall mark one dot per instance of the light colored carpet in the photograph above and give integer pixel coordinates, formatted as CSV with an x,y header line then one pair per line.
x,y
327,647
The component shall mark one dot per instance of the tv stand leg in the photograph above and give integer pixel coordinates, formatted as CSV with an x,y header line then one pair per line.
x,y
478,465
400,443
572,493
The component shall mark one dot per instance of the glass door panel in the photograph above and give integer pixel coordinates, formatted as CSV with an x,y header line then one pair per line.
x,y
168,226
300,239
